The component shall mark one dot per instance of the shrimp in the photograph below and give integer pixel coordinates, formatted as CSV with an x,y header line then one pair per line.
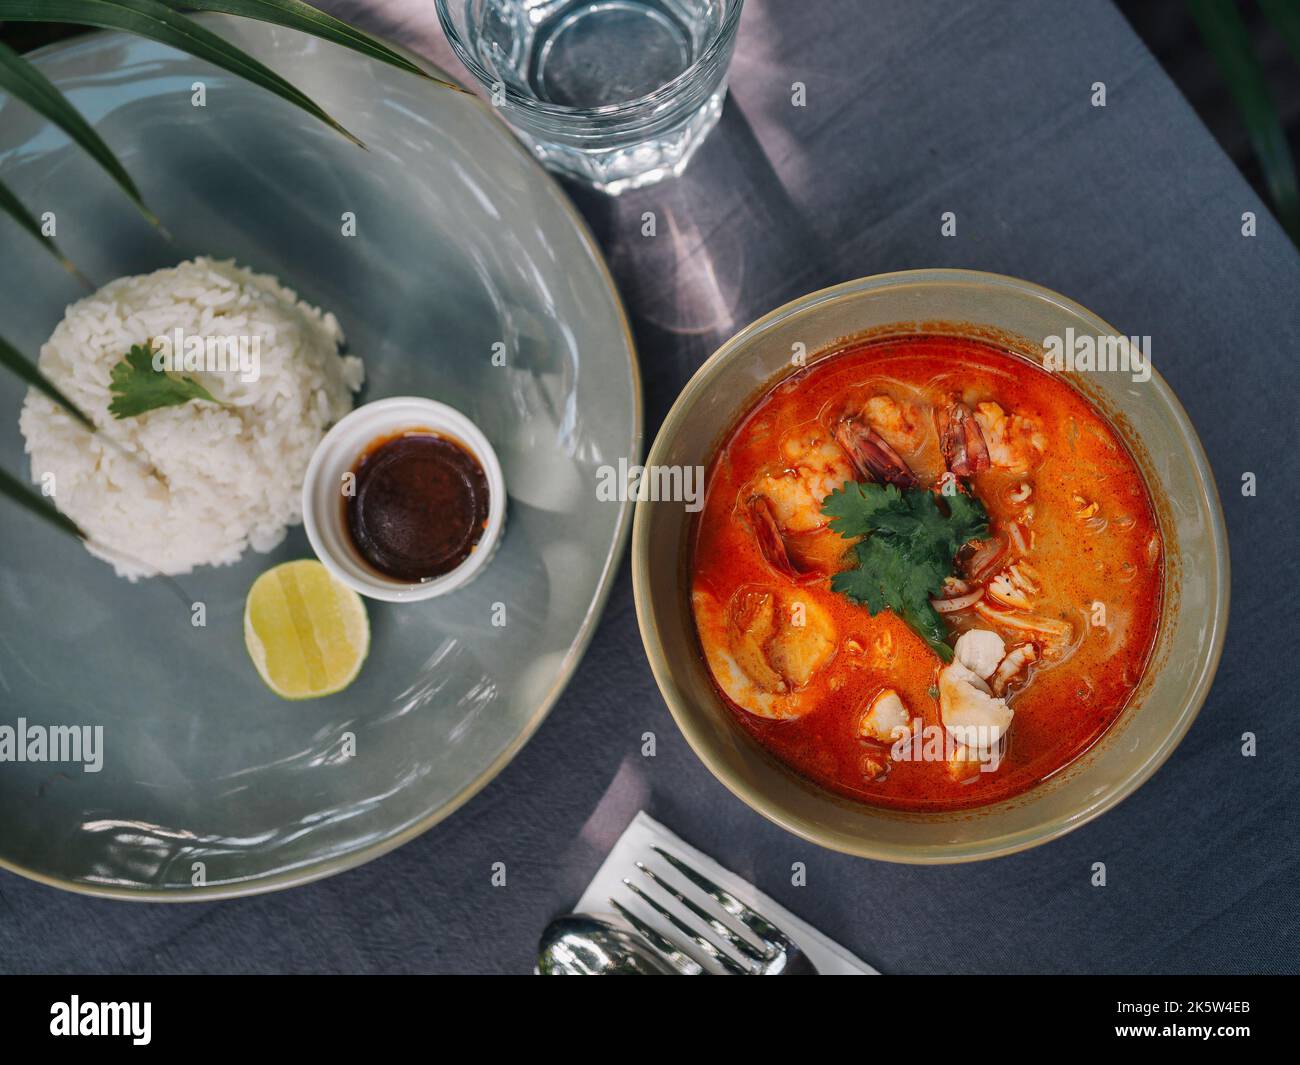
x,y
960,439
1015,442
901,424
873,434
785,506
871,454
965,763
765,646
813,466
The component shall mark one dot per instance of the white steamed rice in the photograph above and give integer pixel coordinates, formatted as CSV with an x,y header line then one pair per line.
x,y
231,475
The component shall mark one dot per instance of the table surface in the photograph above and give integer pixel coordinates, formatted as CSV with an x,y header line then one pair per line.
x,y
913,109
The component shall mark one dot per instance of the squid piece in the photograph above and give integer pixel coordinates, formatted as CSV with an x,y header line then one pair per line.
x,y
1016,586
765,647
1053,636
1013,667
961,440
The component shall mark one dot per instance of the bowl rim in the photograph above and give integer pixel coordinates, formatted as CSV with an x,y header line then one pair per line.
x,y
295,876
995,846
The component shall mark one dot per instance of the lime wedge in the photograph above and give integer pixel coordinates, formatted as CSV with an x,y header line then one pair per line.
x,y
306,633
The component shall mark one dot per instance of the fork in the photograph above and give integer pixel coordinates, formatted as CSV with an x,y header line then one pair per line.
x,y
778,956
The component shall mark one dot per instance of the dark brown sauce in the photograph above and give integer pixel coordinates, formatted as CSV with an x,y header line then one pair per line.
x,y
420,505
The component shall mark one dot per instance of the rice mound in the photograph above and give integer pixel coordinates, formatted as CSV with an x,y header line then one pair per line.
x,y
229,474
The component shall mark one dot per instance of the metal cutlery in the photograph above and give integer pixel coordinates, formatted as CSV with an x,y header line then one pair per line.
x,y
774,953
579,944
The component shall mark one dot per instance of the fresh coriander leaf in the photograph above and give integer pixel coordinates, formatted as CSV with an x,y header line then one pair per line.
x,y
907,540
967,519
928,624
137,387
877,578
855,509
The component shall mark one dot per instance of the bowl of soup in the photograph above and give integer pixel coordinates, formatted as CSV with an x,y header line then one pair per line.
x,y
955,577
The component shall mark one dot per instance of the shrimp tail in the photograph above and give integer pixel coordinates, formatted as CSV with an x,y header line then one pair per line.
x,y
871,455
960,439
768,533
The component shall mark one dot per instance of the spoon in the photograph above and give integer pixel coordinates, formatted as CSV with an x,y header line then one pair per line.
x,y
579,944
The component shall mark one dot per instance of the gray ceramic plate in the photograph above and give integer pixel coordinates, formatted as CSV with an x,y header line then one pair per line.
x,y
462,243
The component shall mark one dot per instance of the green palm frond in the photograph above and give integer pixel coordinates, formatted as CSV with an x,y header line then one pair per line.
x,y
24,82
159,22
21,366
165,23
301,16
1228,40
13,207
28,498
1285,16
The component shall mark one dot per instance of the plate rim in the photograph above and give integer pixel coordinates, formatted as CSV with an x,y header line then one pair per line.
x,y
299,875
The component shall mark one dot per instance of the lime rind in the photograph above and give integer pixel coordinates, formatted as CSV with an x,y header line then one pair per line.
x,y
307,634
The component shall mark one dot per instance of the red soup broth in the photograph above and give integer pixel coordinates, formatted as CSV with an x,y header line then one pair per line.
x,y
1083,555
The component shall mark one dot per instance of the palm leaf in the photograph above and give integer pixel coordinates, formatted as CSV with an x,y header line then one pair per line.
x,y
1228,40
28,84
158,22
14,360
301,16
12,206
32,500
1285,17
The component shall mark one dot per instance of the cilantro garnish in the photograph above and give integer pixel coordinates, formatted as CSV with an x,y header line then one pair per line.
x,y
910,538
137,387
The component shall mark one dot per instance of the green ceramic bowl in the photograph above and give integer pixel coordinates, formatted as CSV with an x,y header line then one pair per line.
x,y
1150,418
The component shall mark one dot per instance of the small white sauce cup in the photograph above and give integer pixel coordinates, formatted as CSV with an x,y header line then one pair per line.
x,y
325,517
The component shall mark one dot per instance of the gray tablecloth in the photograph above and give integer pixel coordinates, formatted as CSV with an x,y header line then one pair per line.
x,y
913,109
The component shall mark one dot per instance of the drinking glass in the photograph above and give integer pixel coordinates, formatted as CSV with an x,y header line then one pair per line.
x,y
616,93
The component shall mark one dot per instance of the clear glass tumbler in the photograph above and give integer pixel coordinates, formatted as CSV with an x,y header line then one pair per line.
x,y
615,93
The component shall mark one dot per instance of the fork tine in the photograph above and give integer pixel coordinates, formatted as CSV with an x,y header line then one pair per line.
x,y
741,944
683,963
771,936
686,930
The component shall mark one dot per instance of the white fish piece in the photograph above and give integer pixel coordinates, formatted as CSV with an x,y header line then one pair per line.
x,y
980,651
971,714
886,718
